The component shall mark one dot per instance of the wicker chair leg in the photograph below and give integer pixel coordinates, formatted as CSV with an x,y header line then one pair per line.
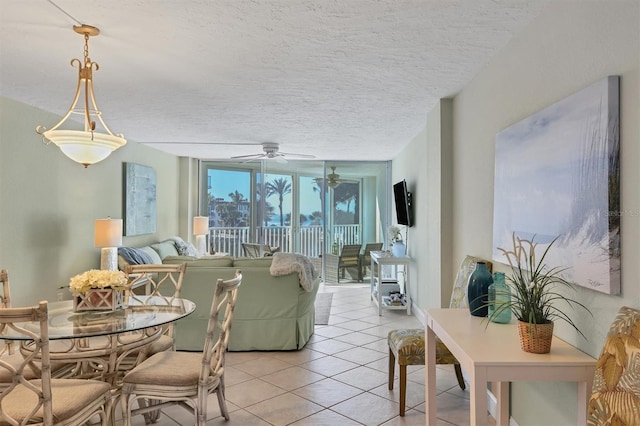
x,y
458,370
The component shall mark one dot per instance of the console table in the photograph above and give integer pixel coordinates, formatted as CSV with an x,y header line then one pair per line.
x,y
378,260
491,352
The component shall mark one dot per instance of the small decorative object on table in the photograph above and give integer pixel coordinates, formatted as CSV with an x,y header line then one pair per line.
x,y
98,290
478,290
534,296
399,249
499,298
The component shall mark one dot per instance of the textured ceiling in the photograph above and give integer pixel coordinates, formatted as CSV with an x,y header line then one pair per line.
x,y
341,80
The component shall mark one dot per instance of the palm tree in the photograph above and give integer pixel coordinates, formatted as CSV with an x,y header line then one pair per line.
x,y
230,212
236,197
282,187
347,193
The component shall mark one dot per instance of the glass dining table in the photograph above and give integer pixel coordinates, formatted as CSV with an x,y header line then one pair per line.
x,y
104,344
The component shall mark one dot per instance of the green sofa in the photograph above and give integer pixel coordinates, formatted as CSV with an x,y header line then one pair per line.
x,y
271,313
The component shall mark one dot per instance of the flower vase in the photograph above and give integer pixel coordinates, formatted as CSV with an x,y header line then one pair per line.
x,y
99,299
499,300
478,290
535,338
399,249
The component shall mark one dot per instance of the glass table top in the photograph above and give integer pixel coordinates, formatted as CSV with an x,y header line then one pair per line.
x,y
141,312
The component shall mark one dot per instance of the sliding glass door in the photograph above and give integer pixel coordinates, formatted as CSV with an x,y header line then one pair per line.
x,y
307,207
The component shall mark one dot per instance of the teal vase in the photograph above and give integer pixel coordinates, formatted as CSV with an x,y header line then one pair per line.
x,y
499,295
478,290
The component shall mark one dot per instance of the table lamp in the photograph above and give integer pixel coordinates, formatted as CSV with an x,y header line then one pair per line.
x,y
200,230
108,236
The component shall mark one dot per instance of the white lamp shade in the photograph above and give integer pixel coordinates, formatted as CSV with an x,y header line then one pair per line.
x,y
107,233
85,147
200,225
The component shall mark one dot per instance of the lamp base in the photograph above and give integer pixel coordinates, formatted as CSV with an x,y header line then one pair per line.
x,y
201,244
109,259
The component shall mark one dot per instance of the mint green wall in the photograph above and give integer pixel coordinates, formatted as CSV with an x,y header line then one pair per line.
x,y
568,47
48,203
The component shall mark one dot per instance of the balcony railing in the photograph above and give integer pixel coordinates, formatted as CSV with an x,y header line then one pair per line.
x,y
229,240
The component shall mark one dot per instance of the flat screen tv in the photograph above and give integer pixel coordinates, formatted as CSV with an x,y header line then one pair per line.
x,y
404,208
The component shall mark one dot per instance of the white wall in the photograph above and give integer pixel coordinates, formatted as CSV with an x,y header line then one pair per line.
x,y
48,204
571,45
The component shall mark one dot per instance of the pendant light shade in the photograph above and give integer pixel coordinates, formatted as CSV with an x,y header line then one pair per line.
x,y
87,146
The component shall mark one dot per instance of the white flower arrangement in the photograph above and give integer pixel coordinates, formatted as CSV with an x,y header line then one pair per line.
x,y
395,233
96,278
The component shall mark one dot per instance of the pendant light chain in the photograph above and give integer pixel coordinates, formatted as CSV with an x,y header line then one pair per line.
x,y
88,77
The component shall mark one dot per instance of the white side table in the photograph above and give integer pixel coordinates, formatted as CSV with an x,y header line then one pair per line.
x,y
378,260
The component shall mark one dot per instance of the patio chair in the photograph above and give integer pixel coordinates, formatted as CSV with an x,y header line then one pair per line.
x,y
45,400
251,250
186,378
336,266
365,257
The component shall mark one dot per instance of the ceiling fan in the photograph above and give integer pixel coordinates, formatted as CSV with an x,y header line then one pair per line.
x,y
271,151
333,179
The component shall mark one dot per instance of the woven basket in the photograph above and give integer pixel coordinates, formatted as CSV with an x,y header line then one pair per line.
x,y
535,338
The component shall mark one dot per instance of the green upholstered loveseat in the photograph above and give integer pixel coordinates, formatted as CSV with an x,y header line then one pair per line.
x,y
271,313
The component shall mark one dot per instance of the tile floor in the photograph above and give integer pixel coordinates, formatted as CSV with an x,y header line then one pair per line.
x,y
339,378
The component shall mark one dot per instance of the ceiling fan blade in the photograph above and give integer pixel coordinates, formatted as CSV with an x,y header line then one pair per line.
x,y
292,154
280,159
248,156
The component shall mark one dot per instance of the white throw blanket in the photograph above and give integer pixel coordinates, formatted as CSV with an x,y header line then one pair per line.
x,y
286,263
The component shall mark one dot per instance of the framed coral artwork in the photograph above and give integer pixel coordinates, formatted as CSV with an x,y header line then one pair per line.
x,y
557,174
139,199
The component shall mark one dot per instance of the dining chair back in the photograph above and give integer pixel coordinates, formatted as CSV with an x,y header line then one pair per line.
x,y
44,400
186,378
165,283
6,347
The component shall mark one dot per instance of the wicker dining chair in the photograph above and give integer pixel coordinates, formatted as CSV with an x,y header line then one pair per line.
x,y
186,378
45,401
7,347
162,281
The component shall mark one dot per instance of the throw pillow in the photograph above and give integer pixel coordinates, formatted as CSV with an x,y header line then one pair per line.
x,y
192,250
184,248
134,256
165,248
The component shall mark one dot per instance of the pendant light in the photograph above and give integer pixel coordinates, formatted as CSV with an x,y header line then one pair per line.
x,y
86,146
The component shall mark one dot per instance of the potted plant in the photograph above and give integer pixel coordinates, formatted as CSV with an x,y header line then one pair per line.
x,y
534,297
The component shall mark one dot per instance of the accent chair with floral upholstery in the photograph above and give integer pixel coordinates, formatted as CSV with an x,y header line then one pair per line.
x,y
615,396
